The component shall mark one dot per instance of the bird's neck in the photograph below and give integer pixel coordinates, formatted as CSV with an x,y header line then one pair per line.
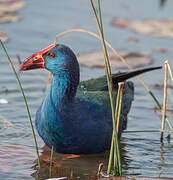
x,y
63,89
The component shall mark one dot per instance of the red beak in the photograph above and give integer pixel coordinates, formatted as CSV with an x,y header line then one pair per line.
x,y
35,61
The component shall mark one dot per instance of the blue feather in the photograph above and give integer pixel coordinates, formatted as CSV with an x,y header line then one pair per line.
x,y
77,123
75,117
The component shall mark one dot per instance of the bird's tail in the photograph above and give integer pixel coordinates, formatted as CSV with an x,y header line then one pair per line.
x,y
120,77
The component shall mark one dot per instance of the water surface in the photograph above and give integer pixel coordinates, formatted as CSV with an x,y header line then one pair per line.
x,y
142,153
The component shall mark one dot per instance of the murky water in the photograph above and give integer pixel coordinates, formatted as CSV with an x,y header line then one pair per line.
x,y
142,153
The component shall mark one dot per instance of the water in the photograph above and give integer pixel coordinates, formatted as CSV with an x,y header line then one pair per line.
x,y
142,153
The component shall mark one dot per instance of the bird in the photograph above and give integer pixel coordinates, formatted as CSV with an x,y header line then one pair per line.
x,y
75,117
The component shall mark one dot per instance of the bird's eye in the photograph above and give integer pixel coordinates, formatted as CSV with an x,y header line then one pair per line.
x,y
35,58
51,55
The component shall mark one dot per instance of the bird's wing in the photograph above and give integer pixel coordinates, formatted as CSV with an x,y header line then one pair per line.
x,y
96,90
100,84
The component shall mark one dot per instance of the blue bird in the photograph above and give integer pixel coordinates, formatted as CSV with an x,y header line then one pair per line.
x,y
75,117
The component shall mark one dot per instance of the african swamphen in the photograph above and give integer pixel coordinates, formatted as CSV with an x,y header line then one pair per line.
x,y
75,118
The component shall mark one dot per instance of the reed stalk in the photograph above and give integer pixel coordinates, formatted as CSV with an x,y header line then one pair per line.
x,y
116,150
171,74
113,150
117,158
51,160
120,87
25,101
170,70
108,74
164,101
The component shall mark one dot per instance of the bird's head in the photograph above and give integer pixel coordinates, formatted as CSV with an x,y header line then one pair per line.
x,y
58,59
55,58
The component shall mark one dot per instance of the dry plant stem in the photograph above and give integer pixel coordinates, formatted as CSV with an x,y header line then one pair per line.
x,y
121,84
170,71
100,169
169,68
25,101
164,100
117,160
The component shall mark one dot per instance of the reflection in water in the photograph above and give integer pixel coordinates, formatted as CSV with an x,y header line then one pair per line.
x,y
148,156
162,160
165,166
83,167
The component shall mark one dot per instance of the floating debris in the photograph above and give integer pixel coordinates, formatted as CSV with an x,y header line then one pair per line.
x,y
133,40
8,10
8,13
96,59
3,101
10,5
9,17
3,90
156,27
161,50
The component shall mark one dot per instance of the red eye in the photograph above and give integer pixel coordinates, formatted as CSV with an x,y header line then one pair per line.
x,y
51,55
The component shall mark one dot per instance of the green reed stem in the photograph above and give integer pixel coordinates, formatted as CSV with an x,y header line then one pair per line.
x,y
115,142
100,15
51,160
25,101
110,156
115,137
108,69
